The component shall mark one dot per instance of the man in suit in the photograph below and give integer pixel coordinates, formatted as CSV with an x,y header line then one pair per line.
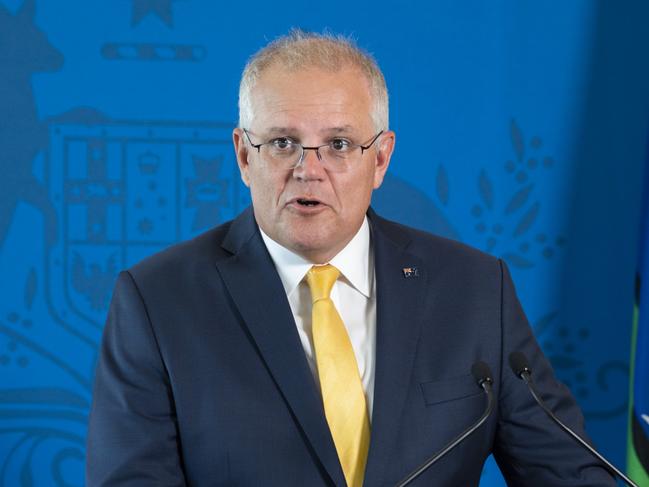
x,y
310,342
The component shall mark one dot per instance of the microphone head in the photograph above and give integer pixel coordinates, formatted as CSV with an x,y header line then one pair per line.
x,y
481,372
519,364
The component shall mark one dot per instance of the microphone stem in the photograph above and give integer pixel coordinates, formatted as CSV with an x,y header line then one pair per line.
x,y
486,385
528,380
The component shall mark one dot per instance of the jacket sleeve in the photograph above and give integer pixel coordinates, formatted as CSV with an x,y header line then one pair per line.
x,y
530,449
132,433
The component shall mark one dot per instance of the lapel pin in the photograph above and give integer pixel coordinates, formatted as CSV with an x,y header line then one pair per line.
x,y
410,272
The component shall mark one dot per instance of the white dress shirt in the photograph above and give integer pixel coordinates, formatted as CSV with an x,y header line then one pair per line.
x,y
353,294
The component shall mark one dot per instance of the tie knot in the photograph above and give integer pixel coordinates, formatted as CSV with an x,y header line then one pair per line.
x,y
321,279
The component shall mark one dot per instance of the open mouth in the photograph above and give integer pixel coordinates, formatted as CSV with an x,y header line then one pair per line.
x,y
304,202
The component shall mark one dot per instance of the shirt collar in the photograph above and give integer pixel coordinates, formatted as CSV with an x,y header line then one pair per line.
x,y
353,262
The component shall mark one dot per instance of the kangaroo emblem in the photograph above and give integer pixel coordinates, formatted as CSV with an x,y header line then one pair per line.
x,y
24,50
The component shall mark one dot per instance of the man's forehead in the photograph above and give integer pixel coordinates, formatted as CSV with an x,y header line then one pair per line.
x,y
313,99
311,79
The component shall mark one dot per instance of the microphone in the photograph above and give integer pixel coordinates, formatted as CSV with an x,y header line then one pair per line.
x,y
520,367
483,377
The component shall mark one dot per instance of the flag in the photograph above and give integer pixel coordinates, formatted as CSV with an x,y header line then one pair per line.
x,y
638,435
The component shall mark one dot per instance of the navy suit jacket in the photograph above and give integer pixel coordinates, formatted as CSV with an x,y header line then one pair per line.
x,y
202,379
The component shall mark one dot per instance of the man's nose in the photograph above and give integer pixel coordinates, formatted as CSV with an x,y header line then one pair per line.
x,y
310,165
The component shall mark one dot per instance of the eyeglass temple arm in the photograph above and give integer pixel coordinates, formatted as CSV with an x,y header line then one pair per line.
x,y
256,146
365,147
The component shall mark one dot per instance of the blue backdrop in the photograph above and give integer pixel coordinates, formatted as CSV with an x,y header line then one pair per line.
x,y
521,129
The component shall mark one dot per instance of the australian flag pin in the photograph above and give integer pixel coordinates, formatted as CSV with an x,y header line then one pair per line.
x,y
410,272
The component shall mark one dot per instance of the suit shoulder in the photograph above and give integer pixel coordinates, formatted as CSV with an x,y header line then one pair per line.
x,y
444,251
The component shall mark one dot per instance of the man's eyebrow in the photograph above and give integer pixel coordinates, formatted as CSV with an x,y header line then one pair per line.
x,y
340,129
330,130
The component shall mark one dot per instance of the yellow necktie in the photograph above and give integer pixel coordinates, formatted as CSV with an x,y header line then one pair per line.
x,y
340,382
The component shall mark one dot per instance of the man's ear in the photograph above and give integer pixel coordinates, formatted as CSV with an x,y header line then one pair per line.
x,y
241,152
384,149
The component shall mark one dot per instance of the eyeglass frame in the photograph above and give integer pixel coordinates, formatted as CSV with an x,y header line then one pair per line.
x,y
315,148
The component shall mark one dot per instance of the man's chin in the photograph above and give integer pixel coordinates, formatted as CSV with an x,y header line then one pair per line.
x,y
313,244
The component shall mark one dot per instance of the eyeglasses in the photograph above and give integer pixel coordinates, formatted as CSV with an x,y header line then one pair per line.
x,y
337,155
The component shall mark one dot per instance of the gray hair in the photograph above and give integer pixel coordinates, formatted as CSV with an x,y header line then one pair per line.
x,y
299,50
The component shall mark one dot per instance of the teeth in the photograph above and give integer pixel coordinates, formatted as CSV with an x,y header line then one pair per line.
x,y
307,202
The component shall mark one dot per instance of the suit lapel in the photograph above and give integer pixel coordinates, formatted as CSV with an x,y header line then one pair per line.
x,y
256,289
400,299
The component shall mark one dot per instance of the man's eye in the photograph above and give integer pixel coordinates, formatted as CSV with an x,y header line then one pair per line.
x,y
282,143
340,145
